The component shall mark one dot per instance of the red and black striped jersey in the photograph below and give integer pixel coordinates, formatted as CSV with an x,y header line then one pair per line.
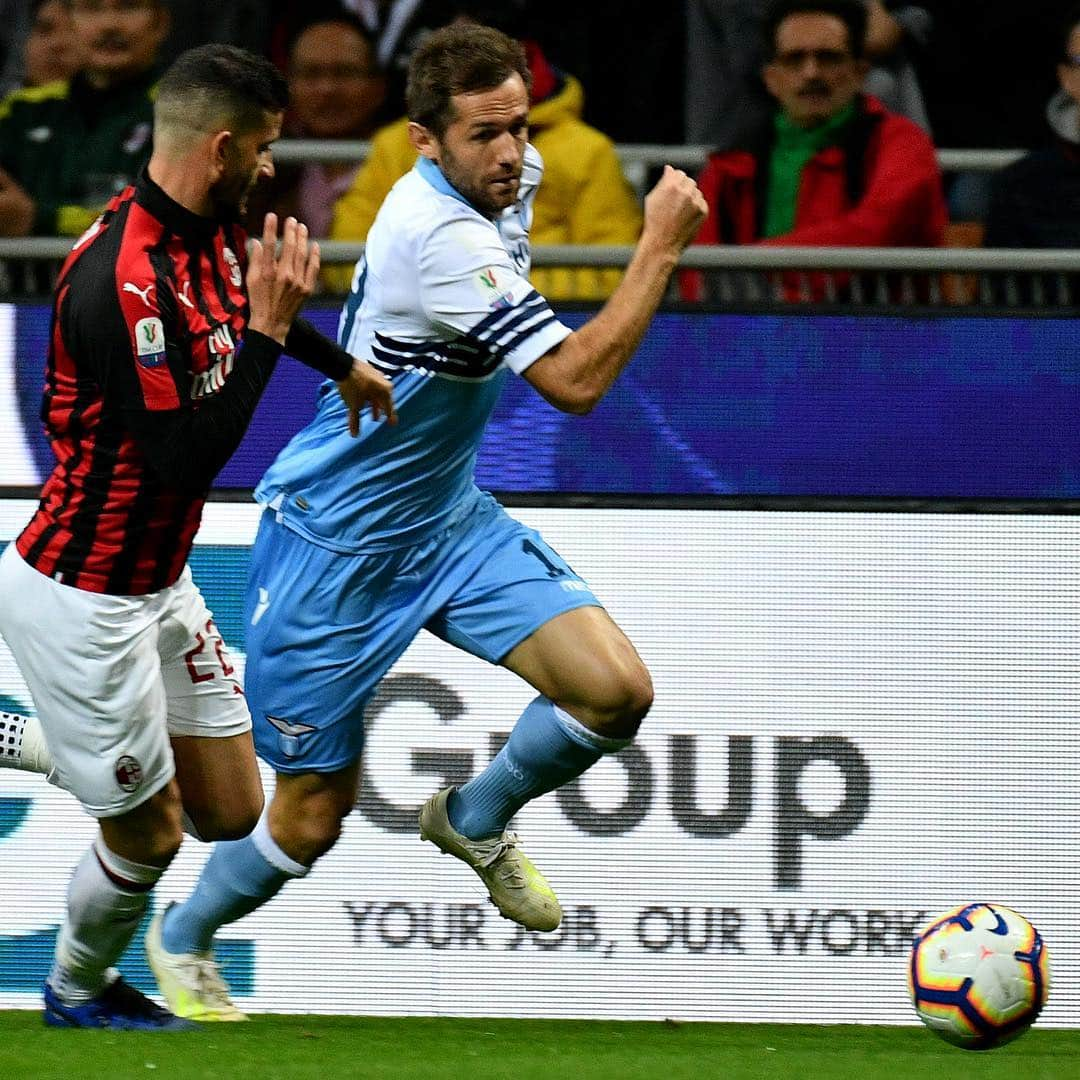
x,y
148,314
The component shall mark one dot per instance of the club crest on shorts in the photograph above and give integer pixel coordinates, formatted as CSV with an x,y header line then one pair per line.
x,y
289,737
129,774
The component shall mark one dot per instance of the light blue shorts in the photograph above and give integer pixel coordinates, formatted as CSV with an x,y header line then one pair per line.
x,y
323,628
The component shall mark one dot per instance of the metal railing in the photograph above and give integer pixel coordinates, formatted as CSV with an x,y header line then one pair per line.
x,y
647,155
712,257
747,275
731,274
637,158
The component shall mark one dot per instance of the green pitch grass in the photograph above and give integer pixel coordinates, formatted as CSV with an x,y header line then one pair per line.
x,y
333,1048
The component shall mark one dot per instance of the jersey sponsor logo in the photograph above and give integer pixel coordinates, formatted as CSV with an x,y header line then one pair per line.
x,y
209,382
39,134
142,294
221,342
150,342
128,773
233,264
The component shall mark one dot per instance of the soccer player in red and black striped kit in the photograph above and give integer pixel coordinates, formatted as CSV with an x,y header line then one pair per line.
x,y
162,343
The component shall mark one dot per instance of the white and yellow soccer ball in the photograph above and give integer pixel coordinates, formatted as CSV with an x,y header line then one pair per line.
x,y
979,975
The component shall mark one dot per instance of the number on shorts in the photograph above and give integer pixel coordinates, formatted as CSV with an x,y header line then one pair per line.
x,y
532,549
200,644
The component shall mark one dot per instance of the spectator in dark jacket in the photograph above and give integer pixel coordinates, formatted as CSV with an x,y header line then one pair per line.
x,y
67,148
832,167
1035,203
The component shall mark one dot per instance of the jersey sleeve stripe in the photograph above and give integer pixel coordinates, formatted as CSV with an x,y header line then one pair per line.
x,y
519,324
490,325
514,342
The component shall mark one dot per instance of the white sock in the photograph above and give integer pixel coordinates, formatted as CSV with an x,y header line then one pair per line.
x,y
22,744
106,899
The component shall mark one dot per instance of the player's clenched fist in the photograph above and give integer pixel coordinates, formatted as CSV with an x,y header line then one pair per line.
x,y
278,283
674,209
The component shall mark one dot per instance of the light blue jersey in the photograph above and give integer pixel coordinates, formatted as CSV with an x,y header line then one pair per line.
x,y
441,304
373,539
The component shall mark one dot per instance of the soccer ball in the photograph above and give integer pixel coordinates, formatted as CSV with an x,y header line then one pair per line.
x,y
979,975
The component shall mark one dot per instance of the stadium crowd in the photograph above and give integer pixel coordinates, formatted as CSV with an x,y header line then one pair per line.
x,y
823,116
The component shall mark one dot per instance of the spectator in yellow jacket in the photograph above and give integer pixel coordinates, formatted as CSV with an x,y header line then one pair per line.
x,y
584,197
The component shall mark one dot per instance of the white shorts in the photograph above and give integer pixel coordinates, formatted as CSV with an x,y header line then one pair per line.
x,y
113,677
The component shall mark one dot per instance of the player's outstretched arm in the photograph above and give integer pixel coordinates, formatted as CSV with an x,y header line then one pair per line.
x,y
578,372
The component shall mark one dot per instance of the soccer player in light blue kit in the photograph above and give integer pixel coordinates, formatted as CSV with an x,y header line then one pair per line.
x,y
366,540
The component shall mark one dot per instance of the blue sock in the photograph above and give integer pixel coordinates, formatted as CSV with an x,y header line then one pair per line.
x,y
239,876
546,749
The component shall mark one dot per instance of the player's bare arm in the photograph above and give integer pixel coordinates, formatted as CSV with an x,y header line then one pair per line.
x,y
578,372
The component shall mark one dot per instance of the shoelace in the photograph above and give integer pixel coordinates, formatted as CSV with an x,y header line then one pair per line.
x,y
204,973
510,872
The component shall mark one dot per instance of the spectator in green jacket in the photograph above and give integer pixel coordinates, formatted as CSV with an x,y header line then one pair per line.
x,y
69,147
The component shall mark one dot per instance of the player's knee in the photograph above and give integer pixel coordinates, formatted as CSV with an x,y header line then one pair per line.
x,y
311,829
228,824
626,698
150,833
313,836
155,846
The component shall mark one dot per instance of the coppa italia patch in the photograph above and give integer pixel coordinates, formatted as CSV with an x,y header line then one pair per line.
x,y
496,295
149,341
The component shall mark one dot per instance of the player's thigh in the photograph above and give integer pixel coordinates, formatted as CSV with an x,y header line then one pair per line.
x,y
509,583
322,630
91,664
208,719
582,660
220,782
524,607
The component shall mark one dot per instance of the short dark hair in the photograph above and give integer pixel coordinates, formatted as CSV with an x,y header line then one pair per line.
x,y
852,13
219,84
340,17
459,59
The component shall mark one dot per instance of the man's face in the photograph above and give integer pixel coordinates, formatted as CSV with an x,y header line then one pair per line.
x,y
482,150
52,50
333,86
1069,70
248,159
813,74
119,38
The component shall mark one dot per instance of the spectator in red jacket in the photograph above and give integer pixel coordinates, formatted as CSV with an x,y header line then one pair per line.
x,y
832,167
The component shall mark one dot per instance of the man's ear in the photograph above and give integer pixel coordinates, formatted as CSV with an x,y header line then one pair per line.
x,y
423,141
769,78
220,148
